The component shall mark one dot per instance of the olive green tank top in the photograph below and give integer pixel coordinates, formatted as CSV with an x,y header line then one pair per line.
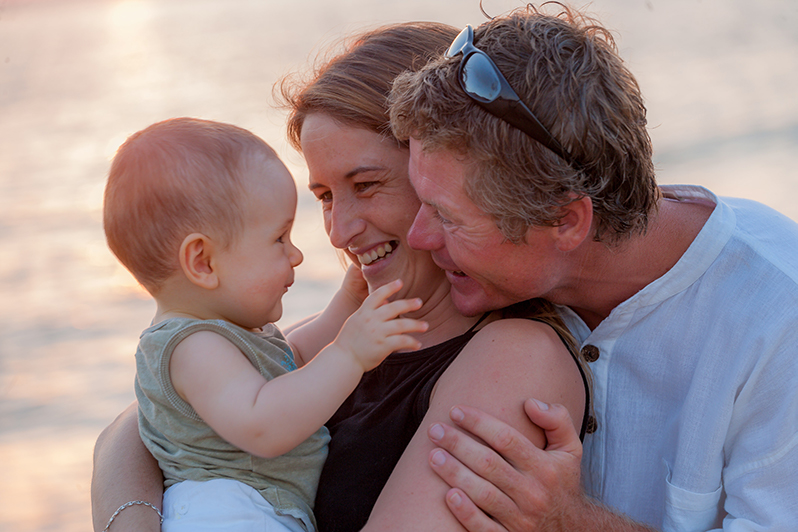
x,y
188,449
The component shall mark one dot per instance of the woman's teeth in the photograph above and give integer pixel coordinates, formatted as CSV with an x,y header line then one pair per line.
x,y
376,253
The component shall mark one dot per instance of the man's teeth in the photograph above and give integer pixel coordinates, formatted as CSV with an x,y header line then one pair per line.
x,y
376,253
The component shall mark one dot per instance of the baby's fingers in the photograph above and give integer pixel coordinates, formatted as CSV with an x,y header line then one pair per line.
x,y
397,308
396,334
406,325
379,296
401,342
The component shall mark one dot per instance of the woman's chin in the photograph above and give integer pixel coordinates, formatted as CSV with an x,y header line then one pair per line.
x,y
381,271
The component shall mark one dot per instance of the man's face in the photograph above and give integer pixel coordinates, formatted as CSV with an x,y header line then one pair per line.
x,y
485,270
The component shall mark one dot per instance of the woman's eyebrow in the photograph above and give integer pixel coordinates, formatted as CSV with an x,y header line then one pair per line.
x,y
363,169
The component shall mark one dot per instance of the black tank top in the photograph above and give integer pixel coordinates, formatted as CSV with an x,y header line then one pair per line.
x,y
374,426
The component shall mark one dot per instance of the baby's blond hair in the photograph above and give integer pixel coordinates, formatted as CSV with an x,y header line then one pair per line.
x,y
169,180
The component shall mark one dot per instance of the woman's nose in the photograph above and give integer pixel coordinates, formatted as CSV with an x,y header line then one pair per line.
x,y
426,233
344,222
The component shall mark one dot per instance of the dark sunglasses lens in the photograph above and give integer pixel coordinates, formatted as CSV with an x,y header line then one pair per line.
x,y
480,79
458,44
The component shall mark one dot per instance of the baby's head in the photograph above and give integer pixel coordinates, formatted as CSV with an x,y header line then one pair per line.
x,y
185,177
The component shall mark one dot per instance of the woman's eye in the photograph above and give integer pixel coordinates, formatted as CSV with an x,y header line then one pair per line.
x,y
365,185
325,197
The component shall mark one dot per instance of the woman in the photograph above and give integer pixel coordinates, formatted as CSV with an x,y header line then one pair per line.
x,y
376,476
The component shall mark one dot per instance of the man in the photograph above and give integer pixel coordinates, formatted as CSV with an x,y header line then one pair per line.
x,y
530,155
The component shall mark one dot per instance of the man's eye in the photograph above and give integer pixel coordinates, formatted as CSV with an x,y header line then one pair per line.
x,y
440,218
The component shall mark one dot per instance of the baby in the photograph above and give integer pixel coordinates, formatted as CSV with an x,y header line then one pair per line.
x,y
201,214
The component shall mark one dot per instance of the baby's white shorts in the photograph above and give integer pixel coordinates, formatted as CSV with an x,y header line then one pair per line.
x,y
221,504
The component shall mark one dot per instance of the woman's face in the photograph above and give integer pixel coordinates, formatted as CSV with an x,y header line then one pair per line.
x,y
360,179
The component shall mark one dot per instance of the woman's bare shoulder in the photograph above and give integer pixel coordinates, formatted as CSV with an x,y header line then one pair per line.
x,y
504,364
520,338
511,360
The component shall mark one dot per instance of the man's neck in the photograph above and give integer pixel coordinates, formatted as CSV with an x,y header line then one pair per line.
x,y
614,273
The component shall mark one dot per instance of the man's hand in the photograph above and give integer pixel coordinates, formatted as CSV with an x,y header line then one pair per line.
x,y
522,487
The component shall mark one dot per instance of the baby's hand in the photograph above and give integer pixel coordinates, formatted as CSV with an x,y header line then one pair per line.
x,y
376,330
354,285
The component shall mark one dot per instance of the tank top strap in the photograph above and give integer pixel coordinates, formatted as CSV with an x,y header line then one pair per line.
x,y
587,419
480,320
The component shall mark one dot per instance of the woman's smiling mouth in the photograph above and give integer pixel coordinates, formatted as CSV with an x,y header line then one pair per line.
x,y
377,253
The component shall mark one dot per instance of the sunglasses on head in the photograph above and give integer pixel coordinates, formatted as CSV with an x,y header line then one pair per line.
x,y
482,81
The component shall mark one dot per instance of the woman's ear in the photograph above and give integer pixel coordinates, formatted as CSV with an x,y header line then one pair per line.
x,y
196,261
575,225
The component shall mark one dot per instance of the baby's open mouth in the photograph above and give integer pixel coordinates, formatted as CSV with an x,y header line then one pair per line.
x,y
378,253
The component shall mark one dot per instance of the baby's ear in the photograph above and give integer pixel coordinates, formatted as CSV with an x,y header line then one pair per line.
x,y
196,261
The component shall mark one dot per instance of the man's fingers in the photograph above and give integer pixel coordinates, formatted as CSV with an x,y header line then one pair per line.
x,y
557,424
488,480
468,514
508,479
507,441
473,497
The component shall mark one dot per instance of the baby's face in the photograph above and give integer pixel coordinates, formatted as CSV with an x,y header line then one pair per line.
x,y
258,268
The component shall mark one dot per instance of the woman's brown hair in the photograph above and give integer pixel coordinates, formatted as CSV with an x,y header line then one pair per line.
x,y
353,86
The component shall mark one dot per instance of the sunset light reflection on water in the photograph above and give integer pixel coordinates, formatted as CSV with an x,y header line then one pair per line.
x,y
78,77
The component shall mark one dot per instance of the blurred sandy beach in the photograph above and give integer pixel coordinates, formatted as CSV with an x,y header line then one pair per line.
x,y
78,76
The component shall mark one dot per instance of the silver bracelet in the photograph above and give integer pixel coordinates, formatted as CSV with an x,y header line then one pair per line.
x,y
128,505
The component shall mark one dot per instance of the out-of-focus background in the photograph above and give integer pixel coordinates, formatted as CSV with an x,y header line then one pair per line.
x,y
78,76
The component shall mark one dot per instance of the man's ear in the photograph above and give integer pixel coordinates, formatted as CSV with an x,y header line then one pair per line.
x,y
575,225
196,261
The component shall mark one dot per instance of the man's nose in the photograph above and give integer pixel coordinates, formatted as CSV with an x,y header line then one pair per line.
x,y
426,232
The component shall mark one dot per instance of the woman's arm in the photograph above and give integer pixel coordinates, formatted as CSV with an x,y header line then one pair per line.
x,y
125,471
504,364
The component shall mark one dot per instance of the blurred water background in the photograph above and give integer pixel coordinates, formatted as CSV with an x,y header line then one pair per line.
x,y
78,76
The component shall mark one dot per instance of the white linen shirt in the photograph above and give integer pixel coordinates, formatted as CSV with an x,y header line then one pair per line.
x,y
696,384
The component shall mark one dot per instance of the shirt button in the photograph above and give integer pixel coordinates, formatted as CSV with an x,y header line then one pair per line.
x,y
590,353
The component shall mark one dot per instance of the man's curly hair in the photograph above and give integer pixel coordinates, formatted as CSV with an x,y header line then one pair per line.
x,y
566,68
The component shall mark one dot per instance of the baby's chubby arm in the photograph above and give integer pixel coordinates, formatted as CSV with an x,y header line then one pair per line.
x,y
269,418
311,336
